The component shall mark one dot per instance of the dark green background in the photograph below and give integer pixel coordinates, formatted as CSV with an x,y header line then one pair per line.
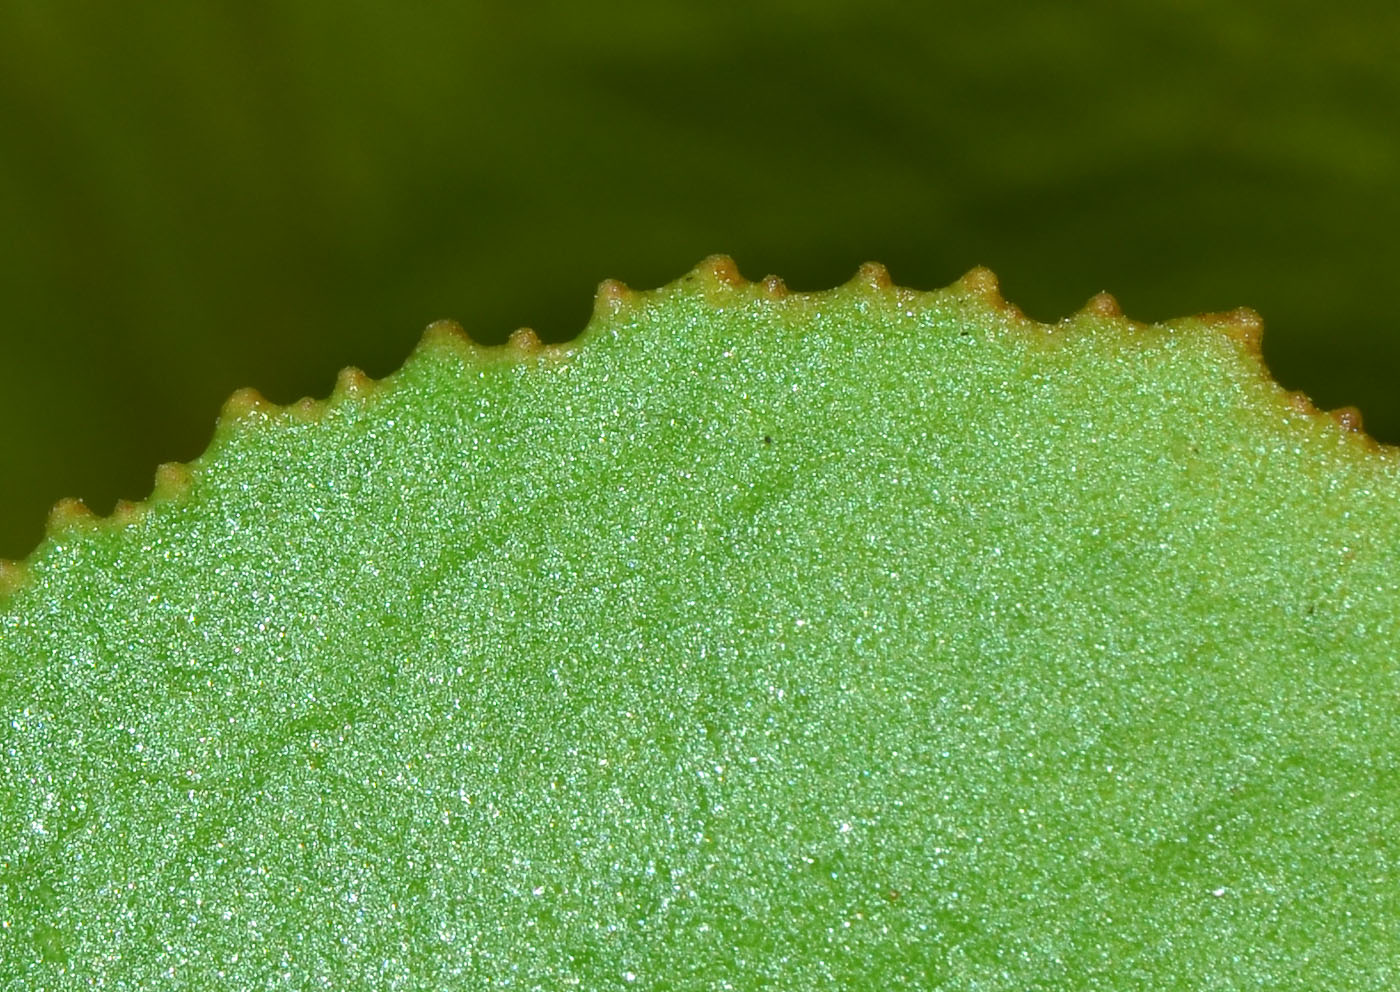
x,y
198,197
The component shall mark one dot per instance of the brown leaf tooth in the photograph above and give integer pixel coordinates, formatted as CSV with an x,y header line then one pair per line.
x,y
1301,402
351,383
447,334
69,513
13,574
1242,324
524,341
611,297
1347,417
126,512
172,480
1102,305
722,270
774,286
244,403
982,283
307,409
873,275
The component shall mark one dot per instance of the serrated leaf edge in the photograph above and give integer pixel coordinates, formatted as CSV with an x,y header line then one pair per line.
x,y
719,279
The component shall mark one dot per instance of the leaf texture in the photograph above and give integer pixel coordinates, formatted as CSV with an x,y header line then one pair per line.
x,y
860,639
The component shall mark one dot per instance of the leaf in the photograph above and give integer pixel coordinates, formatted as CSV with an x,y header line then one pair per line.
x,y
868,638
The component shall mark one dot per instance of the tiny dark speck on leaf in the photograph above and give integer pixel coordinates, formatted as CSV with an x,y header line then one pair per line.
x,y
767,439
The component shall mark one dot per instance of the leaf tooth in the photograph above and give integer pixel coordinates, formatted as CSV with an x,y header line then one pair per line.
x,y
721,271
1347,417
612,297
1243,324
244,404
1301,402
13,575
982,284
173,480
873,275
352,384
448,335
127,512
524,342
1102,305
308,409
69,514
774,286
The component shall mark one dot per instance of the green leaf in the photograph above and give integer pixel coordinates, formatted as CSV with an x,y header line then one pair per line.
x,y
869,638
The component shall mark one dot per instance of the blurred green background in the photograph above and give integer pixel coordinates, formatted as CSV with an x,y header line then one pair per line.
x,y
197,197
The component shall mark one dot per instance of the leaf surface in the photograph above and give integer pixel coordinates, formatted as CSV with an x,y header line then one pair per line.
x,y
868,638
